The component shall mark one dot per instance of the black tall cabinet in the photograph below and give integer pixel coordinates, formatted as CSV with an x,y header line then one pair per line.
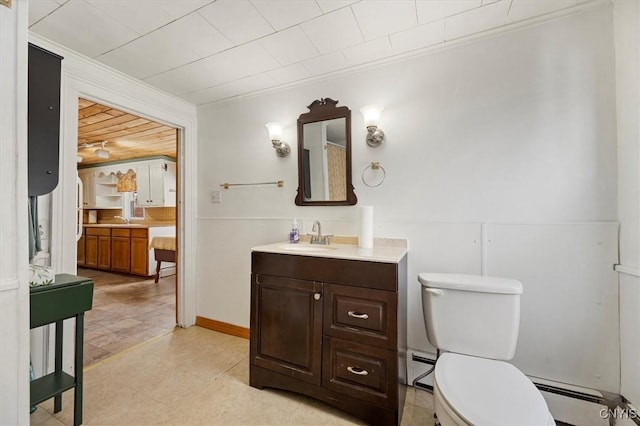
x,y
44,120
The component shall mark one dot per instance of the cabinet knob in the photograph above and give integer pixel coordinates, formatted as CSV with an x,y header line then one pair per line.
x,y
317,296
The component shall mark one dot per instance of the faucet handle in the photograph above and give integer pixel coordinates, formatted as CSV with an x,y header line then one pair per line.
x,y
325,239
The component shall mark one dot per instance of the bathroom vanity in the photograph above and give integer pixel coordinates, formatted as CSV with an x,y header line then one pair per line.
x,y
330,322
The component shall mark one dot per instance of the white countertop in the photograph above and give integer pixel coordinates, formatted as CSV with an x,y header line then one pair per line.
x,y
383,251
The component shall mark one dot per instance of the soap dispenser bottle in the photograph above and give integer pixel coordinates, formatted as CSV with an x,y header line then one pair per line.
x,y
294,234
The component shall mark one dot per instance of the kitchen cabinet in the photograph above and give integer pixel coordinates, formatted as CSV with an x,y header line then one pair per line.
x,y
88,178
332,329
80,252
140,252
105,190
156,181
43,120
98,248
121,250
99,189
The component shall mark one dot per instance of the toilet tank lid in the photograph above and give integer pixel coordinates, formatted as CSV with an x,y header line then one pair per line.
x,y
477,283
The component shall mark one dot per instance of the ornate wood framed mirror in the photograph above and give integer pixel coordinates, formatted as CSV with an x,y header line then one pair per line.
x,y
324,155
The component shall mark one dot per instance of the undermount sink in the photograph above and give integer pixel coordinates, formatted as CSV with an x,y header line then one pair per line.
x,y
306,247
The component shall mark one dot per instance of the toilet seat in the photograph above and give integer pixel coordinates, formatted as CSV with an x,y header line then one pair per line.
x,y
488,392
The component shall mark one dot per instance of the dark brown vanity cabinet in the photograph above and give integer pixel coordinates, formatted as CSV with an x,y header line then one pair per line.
x,y
332,329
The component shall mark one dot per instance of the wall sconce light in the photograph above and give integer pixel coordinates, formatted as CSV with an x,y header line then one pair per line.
x,y
275,133
371,114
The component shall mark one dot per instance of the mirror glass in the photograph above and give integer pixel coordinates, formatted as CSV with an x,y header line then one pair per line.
x,y
324,155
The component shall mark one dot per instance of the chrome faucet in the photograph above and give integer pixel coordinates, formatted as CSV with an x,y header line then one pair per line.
x,y
126,220
319,238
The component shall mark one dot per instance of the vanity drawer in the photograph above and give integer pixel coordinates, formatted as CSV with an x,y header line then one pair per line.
x,y
368,316
362,371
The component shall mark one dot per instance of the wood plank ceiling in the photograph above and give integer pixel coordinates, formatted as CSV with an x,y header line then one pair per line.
x,y
125,135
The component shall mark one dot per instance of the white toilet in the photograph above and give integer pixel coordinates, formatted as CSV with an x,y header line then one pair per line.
x,y
475,321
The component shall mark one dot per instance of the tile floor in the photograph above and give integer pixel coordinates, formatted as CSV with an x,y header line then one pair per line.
x,y
197,376
127,311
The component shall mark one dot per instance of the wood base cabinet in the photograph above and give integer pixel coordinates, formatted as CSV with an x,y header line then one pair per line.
x,y
140,252
332,329
115,249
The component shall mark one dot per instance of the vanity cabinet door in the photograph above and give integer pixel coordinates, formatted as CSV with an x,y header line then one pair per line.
x,y
286,326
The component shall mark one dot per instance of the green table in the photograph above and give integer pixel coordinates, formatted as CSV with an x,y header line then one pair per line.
x,y
69,297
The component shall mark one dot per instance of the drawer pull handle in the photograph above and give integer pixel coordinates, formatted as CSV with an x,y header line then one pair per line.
x,y
317,296
357,371
354,314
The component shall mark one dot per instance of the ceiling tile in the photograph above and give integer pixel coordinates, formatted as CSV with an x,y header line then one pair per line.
x,y
369,51
432,10
330,5
378,18
289,74
238,20
38,9
232,64
139,15
179,8
333,31
254,83
289,46
228,90
182,41
211,94
476,20
527,9
283,14
419,37
326,63
92,32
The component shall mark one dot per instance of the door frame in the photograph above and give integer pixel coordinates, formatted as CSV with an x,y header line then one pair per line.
x,y
86,78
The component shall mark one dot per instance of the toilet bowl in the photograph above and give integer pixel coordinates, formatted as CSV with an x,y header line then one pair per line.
x,y
477,391
475,319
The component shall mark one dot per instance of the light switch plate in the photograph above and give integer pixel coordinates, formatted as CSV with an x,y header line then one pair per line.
x,y
6,3
216,196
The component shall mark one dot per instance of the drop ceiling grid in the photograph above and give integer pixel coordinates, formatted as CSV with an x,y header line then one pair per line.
x,y
205,51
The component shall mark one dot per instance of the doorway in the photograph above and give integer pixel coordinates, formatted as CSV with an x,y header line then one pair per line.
x,y
127,175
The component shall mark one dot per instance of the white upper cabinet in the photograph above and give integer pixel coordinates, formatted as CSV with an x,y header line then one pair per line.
x,y
88,178
155,180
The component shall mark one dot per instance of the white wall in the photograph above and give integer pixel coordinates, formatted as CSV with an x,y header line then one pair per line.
x,y
627,48
516,129
14,280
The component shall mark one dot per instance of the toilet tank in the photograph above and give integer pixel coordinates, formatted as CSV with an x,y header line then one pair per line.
x,y
471,314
